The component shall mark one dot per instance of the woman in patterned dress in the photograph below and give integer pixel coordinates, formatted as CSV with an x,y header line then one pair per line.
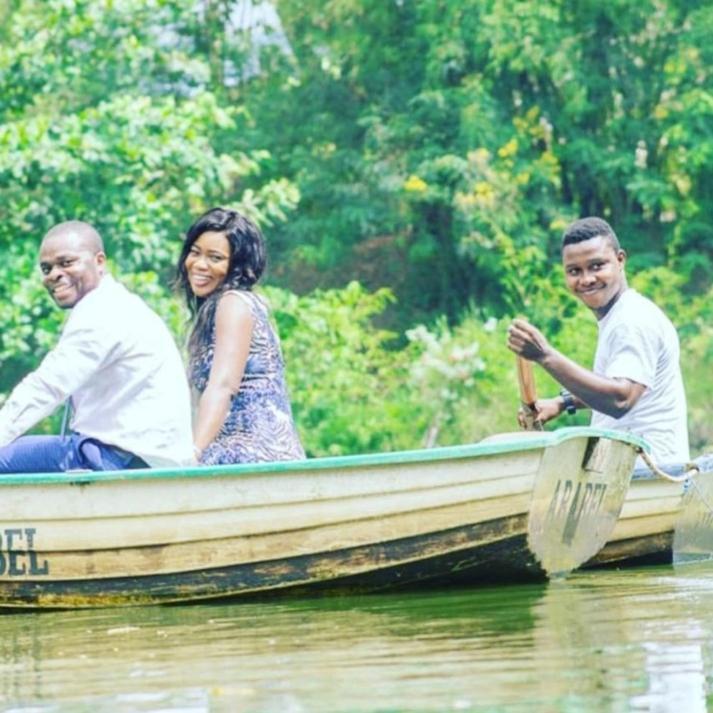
x,y
235,362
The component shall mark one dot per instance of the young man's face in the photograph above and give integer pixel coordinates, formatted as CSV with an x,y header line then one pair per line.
x,y
594,270
70,268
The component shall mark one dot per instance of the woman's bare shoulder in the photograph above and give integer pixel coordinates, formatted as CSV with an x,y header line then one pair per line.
x,y
235,304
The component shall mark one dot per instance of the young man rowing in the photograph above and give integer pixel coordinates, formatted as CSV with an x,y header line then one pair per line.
x,y
636,384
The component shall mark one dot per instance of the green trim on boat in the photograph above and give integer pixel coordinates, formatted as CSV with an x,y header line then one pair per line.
x,y
495,445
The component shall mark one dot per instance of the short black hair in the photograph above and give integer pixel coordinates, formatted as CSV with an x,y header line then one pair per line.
x,y
588,228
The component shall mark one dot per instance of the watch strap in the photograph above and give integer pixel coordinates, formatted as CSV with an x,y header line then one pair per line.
x,y
569,405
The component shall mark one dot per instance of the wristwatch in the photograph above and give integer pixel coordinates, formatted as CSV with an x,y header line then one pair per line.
x,y
568,399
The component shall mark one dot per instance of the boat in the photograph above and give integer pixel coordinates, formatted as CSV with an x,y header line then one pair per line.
x,y
656,505
519,505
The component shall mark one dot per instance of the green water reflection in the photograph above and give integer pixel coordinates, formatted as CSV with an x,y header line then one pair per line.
x,y
602,641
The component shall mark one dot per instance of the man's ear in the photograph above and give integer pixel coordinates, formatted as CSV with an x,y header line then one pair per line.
x,y
621,257
100,257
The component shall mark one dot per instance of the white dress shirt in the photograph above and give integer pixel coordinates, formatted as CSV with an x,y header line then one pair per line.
x,y
120,365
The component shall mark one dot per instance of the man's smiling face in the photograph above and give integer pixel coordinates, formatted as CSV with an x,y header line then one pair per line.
x,y
594,270
70,268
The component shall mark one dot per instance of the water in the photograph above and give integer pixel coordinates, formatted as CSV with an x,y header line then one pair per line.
x,y
637,640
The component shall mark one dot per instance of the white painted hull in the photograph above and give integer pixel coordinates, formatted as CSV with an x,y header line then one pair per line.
x,y
644,532
520,504
664,521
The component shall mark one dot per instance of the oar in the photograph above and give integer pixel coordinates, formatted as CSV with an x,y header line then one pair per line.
x,y
528,394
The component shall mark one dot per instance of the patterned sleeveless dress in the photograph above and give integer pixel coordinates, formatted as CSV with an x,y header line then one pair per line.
x,y
259,425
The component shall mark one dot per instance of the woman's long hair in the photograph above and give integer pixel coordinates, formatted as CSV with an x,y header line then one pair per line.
x,y
246,264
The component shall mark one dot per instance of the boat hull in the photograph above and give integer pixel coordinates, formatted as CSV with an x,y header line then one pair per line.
x,y
516,507
645,530
664,521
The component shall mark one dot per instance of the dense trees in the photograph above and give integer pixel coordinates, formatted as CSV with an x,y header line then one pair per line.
x,y
459,137
435,148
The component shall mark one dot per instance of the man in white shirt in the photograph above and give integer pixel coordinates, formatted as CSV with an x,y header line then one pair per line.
x,y
115,360
636,384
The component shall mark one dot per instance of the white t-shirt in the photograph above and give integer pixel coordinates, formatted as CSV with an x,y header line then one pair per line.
x,y
122,369
638,342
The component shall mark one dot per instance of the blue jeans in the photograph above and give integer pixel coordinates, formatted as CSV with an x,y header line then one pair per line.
x,y
56,454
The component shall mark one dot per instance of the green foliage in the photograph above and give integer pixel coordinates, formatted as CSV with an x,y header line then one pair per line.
x,y
110,115
436,149
458,139
697,358
355,390
347,387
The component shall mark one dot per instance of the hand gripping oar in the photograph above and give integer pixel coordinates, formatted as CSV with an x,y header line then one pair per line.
x,y
528,394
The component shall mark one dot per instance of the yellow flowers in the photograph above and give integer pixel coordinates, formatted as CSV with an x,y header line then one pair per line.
x,y
558,225
484,194
415,184
509,149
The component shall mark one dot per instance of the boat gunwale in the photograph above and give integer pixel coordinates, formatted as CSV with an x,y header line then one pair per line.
x,y
525,441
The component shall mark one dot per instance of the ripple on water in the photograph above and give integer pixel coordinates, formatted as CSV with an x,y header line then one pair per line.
x,y
606,640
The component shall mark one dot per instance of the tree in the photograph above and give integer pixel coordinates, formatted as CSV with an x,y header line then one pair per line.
x,y
111,115
451,142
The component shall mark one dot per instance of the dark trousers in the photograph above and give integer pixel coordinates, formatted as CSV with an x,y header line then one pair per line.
x,y
56,454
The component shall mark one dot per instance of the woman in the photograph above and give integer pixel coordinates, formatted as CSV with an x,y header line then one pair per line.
x,y
235,362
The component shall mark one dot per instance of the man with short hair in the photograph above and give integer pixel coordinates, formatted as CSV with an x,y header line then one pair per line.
x,y
115,360
636,384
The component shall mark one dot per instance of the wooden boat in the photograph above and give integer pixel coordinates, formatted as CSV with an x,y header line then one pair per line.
x,y
516,505
653,510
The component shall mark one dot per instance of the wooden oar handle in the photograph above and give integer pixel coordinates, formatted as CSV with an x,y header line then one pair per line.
x,y
528,395
526,379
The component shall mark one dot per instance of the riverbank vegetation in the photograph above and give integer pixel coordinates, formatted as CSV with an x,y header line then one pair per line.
x,y
412,164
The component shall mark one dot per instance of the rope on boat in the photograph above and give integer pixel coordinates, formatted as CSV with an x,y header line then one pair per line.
x,y
691,469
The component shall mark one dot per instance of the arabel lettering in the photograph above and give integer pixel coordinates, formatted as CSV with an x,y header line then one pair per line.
x,y
18,557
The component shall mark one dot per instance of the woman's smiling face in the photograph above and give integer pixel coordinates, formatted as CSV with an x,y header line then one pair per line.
x,y
207,263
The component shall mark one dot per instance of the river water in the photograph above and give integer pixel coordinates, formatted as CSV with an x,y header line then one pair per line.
x,y
636,640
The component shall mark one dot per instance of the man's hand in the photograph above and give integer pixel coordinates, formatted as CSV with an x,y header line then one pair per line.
x,y
545,410
527,341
